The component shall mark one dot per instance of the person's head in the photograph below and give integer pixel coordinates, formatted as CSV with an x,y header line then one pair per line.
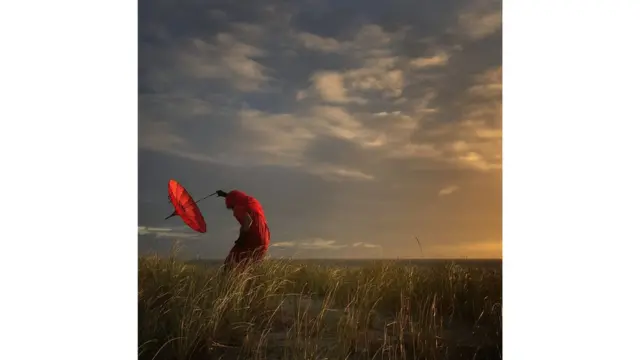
x,y
233,198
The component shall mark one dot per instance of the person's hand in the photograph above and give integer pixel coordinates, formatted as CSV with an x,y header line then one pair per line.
x,y
221,193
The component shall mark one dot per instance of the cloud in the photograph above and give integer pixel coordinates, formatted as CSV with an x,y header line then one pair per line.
x,y
271,140
378,69
310,244
374,73
319,43
282,139
319,247
481,123
166,233
384,113
278,139
177,235
296,97
478,161
225,57
285,244
329,85
436,60
160,136
366,245
287,136
448,190
364,249
378,75
338,104
337,122
474,145
416,151
155,229
322,244
480,19
337,173
474,140
372,41
488,84
175,103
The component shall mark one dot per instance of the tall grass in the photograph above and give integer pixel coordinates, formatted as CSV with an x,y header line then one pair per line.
x,y
282,310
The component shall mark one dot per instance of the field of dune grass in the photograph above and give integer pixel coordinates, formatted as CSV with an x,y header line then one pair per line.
x,y
285,310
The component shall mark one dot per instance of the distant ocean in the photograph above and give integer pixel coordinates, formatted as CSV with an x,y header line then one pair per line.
x,y
483,263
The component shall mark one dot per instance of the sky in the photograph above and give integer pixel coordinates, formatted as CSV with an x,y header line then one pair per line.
x,y
359,125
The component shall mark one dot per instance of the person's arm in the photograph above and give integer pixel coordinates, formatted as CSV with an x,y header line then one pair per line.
x,y
245,221
246,224
244,218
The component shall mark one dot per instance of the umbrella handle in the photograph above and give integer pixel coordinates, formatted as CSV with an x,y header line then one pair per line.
x,y
210,195
175,213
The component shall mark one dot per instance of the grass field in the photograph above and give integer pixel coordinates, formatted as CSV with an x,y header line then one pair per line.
x,y
285,310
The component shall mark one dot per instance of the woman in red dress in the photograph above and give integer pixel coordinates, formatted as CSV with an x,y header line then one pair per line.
x,y
254,238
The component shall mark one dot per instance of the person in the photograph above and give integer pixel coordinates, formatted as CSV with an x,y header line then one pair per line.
x,y
255,236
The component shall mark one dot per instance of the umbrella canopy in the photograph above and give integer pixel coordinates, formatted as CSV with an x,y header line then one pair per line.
x,y
186,207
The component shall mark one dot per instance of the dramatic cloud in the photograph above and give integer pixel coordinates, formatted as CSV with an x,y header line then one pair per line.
x,y
282,139
347,125
480,19
225,57
329,85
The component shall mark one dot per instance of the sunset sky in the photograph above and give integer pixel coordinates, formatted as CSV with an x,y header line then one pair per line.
x,y
359,125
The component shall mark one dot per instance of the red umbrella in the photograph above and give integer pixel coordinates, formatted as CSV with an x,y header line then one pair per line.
x,y
186,207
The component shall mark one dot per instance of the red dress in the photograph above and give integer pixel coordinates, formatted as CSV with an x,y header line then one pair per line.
x,y
252,245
